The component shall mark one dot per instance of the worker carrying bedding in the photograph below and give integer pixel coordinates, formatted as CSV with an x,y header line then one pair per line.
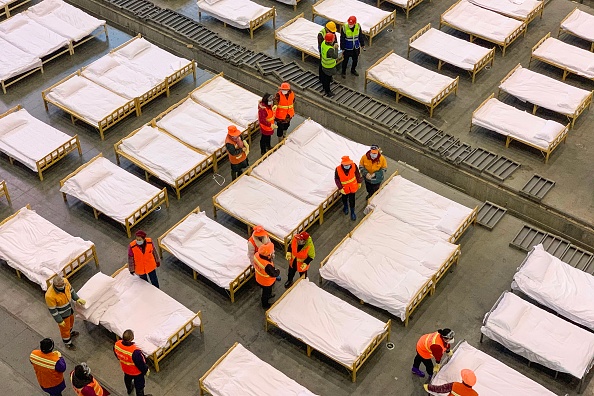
x,y
463,388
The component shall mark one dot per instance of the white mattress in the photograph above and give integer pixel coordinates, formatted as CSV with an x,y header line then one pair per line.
x,y
15,61
509,121
325,322
196,126
511,8
340,10
36,247
420,207
303,35
208,248
128,302
164,156
581,24
409,78
494,377
64,19
110,189
237,13
471,18
544,91
89,100
576,60
557,285
450,49
31,37
540,336
229,100
242,373
29,140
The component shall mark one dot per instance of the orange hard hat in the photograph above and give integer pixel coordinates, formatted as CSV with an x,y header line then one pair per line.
x,y
233,131
346,160
352,20
329,37
266,249
468,377
259,231
302,236
285,85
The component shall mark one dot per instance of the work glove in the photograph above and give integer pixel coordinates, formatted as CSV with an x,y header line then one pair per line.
x,y
276,273
158,264
436,368
358,185
148,372
80,301
62,324
342,191
426,387
58,354
288,256
274,126
450,352
369,176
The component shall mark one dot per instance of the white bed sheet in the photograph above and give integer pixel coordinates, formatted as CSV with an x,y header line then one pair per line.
x,y
581,24
340,10
577,60
325,322
471,18
494,377
243,373
14,61
237,13
303,35
557,285
511,8
38,248
409,78
229,100
450,49
110,189
30,142
509,121
540,336
31,37
208,248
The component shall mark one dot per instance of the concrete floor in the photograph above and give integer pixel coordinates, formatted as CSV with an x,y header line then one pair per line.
x,y
485,270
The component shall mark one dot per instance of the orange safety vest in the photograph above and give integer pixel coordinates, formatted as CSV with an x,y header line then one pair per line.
x,y
459,389
257,245
235,159
262,277
143,262
299,256
286,105
348,180
124,354
425,342
95,385
269,118
44,365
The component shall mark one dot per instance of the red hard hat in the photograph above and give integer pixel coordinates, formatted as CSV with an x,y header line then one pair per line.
x,y
468,377
233,131
302,236
285,85
352,20
259,231
329,37
266,249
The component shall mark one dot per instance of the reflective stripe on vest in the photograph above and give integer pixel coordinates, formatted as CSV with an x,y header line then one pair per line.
x,y
285,105
348,180
262,278
143,262
235,159
95,385
351,36
299,256
426,341
43,362
44,365
327,63
459,389
124,354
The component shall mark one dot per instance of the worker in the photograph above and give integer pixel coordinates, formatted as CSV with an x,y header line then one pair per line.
x,y
348,180
300,255
329,28
143,259
463,388
266,112
266,274
258,238
83,382
373,166
285,109
132,362
238,150
49,366
58,297
328,55
351,42
432,345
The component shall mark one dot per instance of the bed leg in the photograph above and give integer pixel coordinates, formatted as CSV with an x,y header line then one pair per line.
x,y
309,349
96,214
252,34
354,375
72,119
232,295
556,374
128,230
565,74
156,362
18,274
431,111
507,140
530,62
534,108
547,157
195,275
4,90
178,193
481,339
473,76
64,197
39,172
101,133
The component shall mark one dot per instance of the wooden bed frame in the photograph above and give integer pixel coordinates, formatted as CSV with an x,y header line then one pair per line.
x,y
538,10
254,23
478,66
133,219
175,339
561,30
4,191
96,33
55,155
73,266
234,286
440,97
389,20
545,152
521,30
372,346
585,105
410,4
18,78
5,11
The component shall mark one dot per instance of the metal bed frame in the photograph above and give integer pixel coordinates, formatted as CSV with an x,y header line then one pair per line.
x,y
254,23
4,191
562,30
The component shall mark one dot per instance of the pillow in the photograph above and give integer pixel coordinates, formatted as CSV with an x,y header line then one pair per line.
x,y
103,65
129,51
549,131
141,139
88,180
95,288
70,86
168,328
453,218
211,2
537,264
10,123
11,25
508,314
45,7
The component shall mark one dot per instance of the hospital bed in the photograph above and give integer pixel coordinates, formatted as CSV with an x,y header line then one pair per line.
x,y
566,57
112,191
16,64
580,24
526,10
242,14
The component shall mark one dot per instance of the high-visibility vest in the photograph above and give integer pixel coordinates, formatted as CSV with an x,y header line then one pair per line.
x,y
425,342
256,243
286,105
348,180
95,385
262,277
459,389
44,365
269,118
299,256
124,354
59,301
351,36
235,159
327,63
143,262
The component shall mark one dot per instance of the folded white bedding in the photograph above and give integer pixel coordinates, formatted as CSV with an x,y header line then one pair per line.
x,y
15,61
237,13
581,24
31,37
577,60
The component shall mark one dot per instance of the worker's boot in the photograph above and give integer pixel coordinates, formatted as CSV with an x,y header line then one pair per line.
x,y
74,333
354,73
418,372
353,215
345,210
71,346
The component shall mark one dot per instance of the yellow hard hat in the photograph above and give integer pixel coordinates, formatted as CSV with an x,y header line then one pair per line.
x,y
331,26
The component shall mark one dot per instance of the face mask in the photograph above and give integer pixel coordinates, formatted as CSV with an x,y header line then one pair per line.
x,y
346,167
270,102
450,341
140,243
300,243
351,26
284,92
373,156
60,289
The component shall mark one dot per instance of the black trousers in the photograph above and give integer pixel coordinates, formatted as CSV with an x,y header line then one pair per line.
x,y
349,200
326,81
427,362
153,277
238,169
136,381
371,188
350,54
266,295
293,271
282,127
265,143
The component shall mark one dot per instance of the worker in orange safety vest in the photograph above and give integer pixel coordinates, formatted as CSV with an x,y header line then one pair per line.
x,y
348,180
259,237
266,111
49,366
132,362
285,109
238,150
463,388
432,345
266,274
143,259
300,255
84,383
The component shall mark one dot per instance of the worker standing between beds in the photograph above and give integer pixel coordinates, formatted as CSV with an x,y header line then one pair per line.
x,y
285,109
432,345
49,366
266,274
58,297
351,42
83,382
259,237
300,255
238,150
463,388
373,166
266,112
132,362
348,180
143,258
328,56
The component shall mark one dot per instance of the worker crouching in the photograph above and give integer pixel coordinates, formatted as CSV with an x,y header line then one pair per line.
x,y
300,255
463,388
266,274
432,345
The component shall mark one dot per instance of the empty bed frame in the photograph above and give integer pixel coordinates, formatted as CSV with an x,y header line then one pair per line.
x,y
110,190
242,14
4,191
328,325
525,11
32,142
210,250
580,24
26,237
566,57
